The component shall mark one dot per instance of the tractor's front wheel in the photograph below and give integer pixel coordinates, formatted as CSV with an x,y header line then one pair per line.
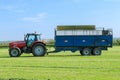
x,y
39,50
14,52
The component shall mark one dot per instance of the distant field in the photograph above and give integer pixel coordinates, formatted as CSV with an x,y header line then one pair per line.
x,y
61,66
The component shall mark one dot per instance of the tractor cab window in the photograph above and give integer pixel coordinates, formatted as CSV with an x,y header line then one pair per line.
x,y
30,39
38,38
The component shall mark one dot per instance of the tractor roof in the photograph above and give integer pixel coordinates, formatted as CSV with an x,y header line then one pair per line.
x,y
32,34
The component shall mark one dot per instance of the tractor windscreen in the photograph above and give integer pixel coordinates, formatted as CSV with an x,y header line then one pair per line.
x,y
38,37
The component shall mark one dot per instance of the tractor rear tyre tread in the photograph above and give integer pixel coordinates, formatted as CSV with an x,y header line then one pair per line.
x,y
38,50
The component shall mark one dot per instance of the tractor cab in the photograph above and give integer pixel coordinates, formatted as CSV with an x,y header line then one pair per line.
x,y
30,38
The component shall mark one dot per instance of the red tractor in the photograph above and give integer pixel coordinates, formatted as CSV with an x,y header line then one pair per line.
x,y
31,44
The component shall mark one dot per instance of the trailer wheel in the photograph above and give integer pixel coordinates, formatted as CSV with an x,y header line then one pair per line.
x,y
15,52
38,50
86,52
96,51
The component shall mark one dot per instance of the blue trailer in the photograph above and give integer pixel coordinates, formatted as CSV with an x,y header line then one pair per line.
x,y
88,42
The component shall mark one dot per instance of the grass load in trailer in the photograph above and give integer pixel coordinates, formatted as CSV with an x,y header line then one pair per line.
x,y
76,27
85,38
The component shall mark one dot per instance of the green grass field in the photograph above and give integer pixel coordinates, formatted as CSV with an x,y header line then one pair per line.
x,y
61,66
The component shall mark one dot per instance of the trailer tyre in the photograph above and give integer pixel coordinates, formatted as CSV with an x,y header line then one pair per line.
x,y
15,52
86,52
38,50
96,51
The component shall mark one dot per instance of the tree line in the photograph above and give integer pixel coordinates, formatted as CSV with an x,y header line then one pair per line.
x,y
116,42
50,43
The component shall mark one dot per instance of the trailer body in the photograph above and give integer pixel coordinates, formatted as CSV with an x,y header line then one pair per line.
x,y
74,40
75,43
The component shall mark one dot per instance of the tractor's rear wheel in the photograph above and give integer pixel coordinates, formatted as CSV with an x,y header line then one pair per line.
x,y
15,52
39,50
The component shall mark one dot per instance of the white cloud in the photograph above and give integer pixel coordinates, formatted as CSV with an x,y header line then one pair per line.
x,y
19,11
38,18
11,8
7,7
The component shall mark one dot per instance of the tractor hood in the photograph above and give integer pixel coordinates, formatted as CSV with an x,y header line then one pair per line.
x,y
19,44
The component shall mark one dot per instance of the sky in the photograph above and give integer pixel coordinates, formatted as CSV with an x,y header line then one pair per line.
x,y
18,17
